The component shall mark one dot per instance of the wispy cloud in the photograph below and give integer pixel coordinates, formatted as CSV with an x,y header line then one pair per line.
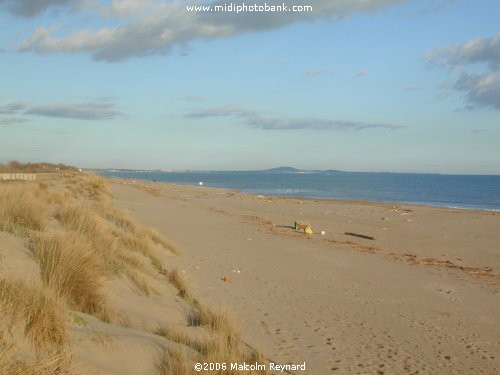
x,y
85,111
434,6
99,110
412,88
193,98
480,90
362,74
445,85
260,120
478,131
12,108
151,27
312,72
12,121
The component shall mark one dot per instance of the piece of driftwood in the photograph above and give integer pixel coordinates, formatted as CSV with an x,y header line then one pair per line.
x,y
359,235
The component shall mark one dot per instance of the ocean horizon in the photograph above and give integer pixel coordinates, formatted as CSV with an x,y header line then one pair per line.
x,y
445,190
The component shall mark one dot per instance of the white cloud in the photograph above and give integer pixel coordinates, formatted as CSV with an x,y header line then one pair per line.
x,y
150,27
481,90
485,50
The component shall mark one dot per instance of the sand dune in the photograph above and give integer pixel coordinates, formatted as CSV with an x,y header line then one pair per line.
x,y
85,289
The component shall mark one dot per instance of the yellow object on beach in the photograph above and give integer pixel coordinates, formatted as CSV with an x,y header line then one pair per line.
x,y
306,228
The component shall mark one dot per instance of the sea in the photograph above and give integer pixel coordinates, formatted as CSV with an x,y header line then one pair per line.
x,y
457,191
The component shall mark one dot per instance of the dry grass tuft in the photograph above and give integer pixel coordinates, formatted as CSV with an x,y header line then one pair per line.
x,y
120,219
219,321
91,187
20,209
157,238
175,362
89,225
71,268
57,362
178,336
216,349
177,279
88,187
43,315
143,286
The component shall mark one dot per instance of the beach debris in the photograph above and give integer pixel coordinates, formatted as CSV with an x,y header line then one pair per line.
x,y
260,196
322,232
236,271
200,183
359,235
227,279
306,228
476,271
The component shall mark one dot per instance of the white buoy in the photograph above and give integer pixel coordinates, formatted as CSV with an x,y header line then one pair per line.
x,y
200,183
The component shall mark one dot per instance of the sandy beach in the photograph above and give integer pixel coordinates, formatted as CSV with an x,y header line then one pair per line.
x,y
199,187
421,297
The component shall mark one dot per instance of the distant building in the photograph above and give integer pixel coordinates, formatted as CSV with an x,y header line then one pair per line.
x,y
17,176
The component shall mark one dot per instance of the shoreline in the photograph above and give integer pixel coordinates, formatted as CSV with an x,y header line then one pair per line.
x,y
306,198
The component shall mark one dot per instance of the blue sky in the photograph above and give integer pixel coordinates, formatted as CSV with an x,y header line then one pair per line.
x,y
361,85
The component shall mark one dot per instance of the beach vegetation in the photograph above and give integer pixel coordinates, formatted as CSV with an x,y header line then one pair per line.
x,y
80,243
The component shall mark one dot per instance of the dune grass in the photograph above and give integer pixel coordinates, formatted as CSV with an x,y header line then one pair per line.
x,y
217,348
20,209
223,345
69,266
175,362
177,279
80,242
143,286
53,363
41,314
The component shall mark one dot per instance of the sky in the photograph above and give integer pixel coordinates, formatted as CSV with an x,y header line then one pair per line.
x,y
355,85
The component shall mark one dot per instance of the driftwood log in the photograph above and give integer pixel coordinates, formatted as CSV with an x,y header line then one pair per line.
x,y
359,235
